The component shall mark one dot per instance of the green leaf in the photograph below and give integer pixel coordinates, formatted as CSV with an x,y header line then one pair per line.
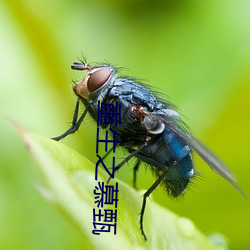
x,y
69,180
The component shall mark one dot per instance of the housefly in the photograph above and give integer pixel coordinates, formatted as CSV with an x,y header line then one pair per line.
x,y
151,129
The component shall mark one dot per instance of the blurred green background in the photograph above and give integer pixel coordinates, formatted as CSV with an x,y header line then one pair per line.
x,y
195,52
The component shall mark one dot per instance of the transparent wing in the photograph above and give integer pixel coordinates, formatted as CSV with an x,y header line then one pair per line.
x,y
208,156
175,124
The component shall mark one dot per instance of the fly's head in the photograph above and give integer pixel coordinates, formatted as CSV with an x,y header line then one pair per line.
x,y
96,79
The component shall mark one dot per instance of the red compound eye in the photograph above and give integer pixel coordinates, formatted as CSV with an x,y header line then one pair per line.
x,y
97,79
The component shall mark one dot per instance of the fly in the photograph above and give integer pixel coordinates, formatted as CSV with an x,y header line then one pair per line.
x,y
151,130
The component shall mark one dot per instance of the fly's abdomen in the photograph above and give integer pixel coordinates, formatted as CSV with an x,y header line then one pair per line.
x,y
172,156
180,166
178,176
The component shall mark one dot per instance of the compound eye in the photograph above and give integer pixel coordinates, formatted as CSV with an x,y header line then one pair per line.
x,y
97,79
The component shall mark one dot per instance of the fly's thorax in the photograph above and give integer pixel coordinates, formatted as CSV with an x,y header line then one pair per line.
x,y
94,85
154,122
152,125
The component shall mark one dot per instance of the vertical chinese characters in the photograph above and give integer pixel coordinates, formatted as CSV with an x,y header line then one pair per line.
x,y
104,219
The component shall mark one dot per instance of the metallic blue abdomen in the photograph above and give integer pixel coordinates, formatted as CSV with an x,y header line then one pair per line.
x,y
172,155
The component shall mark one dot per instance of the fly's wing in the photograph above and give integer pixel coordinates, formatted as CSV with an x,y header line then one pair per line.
x,y
212,160
175,124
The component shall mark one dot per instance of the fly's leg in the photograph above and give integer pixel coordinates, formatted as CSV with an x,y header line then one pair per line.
x,y
107,154
75,123
104,157
136,167
127,158
145,196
